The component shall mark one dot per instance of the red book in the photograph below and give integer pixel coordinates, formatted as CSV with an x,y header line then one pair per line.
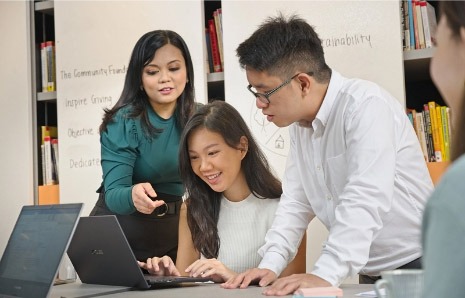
x,y
214,45
415,24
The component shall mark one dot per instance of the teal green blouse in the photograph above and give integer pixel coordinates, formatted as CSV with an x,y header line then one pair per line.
x,y
129,157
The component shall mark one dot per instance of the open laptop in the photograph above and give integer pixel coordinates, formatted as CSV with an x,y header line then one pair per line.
x,y
39,239
101,254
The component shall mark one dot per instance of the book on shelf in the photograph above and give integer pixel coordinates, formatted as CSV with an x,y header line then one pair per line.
x,y
217,15
420,127
405,25
48,166
419,24
434,131
440,132
432,126
428,133
42,165
428,14
214,46
55,160
415,24
445,132
43,64
51,85
421,34
48,68
49,153
48,131
209,61
449,130
411,24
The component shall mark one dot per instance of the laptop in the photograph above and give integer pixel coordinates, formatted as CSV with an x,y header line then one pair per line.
x,y
32,256
101,254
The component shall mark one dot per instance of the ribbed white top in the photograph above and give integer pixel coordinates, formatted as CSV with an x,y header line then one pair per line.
x,y
242,227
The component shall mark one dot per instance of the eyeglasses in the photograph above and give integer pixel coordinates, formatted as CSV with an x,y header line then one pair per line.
x,y
265,97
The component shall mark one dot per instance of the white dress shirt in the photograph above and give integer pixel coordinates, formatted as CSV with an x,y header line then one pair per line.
x,y
360,170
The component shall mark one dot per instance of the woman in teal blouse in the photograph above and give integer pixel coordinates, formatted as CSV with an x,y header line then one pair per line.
x,y
139,139
444,221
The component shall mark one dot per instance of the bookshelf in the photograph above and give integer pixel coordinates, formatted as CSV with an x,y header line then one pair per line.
x,y
420,89
215,80
44,106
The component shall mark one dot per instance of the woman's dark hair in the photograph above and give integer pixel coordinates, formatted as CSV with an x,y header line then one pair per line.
x,y
455,14
203,203
133,96
283,47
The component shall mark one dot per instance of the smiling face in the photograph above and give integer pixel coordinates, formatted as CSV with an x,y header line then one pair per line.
x,y
218,164
164,79
448,64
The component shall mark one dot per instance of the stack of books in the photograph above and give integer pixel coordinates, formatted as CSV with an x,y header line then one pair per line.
x,y
49,151
432,126
47,61
418,24
214,39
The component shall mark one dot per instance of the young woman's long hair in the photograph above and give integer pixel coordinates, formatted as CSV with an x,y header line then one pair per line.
x,y
133,96
203,203
455,13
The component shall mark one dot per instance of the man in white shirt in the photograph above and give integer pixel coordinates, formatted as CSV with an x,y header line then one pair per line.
x,y
354,162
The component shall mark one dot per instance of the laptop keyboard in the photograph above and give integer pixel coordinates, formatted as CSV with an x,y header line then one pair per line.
x,y
152,279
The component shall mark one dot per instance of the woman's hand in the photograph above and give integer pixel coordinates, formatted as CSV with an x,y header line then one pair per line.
x,y
210,268
160,266
141,197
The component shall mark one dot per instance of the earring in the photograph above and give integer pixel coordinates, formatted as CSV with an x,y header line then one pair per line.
x,y
141,88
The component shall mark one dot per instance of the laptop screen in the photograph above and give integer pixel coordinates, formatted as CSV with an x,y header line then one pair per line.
x,y
36,246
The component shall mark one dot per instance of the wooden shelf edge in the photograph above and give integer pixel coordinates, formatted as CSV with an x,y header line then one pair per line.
x,y
436,170
49,194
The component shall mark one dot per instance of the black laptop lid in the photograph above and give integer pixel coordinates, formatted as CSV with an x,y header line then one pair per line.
x,y
35,248
101,254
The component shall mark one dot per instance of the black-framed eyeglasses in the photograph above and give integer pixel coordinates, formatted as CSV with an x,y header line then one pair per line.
x,y
265,97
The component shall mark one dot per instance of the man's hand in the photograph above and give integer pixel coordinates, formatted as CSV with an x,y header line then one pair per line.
x,y
289,284
160,266
263,276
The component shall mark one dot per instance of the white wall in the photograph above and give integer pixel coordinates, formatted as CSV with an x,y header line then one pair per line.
x,y
16,165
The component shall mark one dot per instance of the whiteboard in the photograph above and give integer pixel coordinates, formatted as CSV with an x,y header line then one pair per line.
x,y
94,40
360,39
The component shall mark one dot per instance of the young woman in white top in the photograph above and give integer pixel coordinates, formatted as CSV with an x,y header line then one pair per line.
x,y
232,196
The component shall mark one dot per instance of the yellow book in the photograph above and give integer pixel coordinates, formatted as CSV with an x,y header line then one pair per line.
x,y
48,131
449,127
434,131
446,132
439,122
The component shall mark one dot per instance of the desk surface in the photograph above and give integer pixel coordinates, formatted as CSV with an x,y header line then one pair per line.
x,y
78,290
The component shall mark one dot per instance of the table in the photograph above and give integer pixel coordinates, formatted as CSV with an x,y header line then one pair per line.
x,y
79,290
